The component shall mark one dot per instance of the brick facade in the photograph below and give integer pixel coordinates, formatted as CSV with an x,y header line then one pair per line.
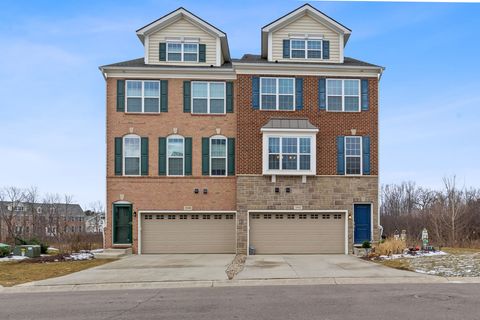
x,y
330,125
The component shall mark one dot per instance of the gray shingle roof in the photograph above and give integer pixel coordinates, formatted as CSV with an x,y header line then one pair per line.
x,y
289,124
140,62
256,58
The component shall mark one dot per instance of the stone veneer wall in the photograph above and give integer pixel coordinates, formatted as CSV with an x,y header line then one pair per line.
x,y
318,193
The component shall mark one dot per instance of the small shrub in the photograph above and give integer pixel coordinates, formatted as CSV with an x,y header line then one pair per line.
x,y
390,246
4,250
366,245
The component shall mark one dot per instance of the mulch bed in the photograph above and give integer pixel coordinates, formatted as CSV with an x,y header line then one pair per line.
x,y
52,258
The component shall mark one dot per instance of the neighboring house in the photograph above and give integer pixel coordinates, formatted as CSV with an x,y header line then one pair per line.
x,y
277,151
24,219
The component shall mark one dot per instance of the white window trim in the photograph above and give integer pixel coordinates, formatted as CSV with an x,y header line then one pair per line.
x,y
345,155
343,95
182,50
139,156
208,97
277,94
312,134
183,157
306,48
210,156
143,97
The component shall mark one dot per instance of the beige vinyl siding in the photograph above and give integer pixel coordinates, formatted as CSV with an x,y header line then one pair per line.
x,y
305,24
182,28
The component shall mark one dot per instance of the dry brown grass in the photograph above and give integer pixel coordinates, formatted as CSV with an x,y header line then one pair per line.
x,y
13,273
460,250
390,246
402,264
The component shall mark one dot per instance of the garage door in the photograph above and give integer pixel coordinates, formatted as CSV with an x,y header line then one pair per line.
x,y
277,233
188,233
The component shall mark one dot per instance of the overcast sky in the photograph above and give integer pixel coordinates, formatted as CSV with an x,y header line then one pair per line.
x,y
52,107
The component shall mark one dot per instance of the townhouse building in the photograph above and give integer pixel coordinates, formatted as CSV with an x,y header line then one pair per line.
x,y
269,153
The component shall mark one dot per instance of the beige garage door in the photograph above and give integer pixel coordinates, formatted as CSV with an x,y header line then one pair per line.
x,y
277,233
188,233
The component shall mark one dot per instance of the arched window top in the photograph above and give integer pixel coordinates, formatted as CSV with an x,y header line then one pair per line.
x,y
218,136
175,136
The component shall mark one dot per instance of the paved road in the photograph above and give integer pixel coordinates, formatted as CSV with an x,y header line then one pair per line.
x,y
426,301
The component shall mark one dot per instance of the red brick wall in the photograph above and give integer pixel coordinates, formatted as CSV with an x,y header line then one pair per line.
x,y
156,192
330,124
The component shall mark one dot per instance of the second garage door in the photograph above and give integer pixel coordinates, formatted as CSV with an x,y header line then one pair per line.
x,y
188,233
297,233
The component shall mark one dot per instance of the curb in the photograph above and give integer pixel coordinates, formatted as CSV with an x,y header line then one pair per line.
x,y
234,283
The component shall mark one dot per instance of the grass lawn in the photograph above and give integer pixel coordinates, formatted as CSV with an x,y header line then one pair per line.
x,y
460,250
13,273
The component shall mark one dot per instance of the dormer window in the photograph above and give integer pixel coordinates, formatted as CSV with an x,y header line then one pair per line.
x,y
306,48
182,51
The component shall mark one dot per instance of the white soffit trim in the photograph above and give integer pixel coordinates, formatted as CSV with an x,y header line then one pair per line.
x,y
313,70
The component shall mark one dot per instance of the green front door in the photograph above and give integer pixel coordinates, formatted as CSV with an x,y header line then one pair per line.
x,y
122,224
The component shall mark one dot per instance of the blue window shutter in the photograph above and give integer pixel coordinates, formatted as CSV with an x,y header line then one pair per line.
x,y
286,48
188,156
202,50
326,49
341,155
206,156
118,156
162,156
256,93
120,95
162,53
322,94
365,95
164,95
187,94
229,96
299,93
231,156
366,154
144,156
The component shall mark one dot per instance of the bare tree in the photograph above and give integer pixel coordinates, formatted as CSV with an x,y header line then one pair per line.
x,y
96,216
13,197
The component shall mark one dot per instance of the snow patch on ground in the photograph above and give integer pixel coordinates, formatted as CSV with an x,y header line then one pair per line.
x,y
418,254
82,255
12,258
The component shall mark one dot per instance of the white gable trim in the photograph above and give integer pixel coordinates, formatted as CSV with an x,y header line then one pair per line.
x,y
174,16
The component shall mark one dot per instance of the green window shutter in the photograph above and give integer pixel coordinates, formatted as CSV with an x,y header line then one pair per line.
x,y
118,156
206,156
229,96
187,94
286,48
144,156
162,54
299,93
163,95
366,154
120,95
188,156
231,156
322,94
341,155
162,156
202,50
326,49
256,93
365,95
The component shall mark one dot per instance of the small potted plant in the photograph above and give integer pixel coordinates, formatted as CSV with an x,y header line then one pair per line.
x,y
367,246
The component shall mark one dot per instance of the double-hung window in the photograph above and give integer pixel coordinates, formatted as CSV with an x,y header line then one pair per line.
x,y
208,97
175,155
289,154
182,51
218,156
353,155
131,155
143,96
305,49
277,93
343,95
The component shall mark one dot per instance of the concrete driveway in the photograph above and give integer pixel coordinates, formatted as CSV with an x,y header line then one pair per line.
x,y
150,268
315,266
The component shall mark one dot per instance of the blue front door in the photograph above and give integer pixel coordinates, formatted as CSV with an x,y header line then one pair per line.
x,y
363,223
